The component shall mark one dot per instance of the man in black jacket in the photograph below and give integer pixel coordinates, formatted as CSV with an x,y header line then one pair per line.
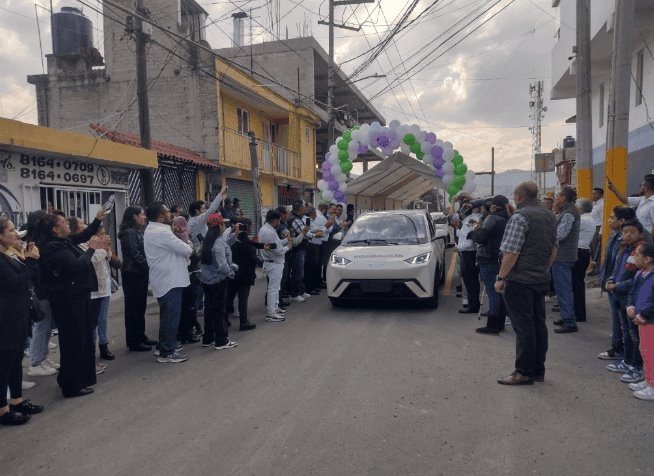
x,y
488,237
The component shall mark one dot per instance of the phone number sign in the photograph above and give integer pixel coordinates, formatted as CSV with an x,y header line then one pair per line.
x,y
49,170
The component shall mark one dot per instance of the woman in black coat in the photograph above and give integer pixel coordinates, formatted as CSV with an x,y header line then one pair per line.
x,y
69,277
14,327
135,274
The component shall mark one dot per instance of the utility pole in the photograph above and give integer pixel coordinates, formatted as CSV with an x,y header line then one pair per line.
x,y
254,163
584,142
617,130
331,69
142,37
537,114
493,171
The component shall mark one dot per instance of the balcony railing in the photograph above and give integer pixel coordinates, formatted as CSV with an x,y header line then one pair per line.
x,y
273,158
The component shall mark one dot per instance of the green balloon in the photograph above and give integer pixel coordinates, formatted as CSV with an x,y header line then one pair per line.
x,y
420,155
460,169
343,155
409,139
459,180
346,167
342,144
415,148
457,160
347,135
451,190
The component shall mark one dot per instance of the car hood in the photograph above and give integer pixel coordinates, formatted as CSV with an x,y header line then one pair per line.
x,y
381,253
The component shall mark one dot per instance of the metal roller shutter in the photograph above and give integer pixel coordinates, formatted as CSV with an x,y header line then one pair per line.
x,y
245,193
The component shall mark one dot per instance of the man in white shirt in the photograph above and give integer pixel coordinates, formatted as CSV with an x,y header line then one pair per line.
x,y
468,254
644,203
597,215
586,234
273,263
316,233
167,259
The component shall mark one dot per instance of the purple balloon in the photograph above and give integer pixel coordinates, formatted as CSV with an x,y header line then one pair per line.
x,y
388,151
439,173
326,166
438,162
327,175
363,148
431,138
333,186
339,196
437,152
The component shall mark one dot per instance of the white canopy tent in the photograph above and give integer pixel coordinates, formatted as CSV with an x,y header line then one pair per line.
x,y
392,184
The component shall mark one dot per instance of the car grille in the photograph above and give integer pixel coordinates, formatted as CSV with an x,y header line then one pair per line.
x,y
378,288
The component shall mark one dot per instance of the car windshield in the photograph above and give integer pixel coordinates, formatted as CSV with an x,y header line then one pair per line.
x,y
386,229
441,220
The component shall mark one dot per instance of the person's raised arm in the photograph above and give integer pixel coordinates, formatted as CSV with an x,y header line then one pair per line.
x,y
620,195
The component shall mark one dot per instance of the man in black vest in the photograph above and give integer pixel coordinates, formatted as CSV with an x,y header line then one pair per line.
x,y
528,249
567,236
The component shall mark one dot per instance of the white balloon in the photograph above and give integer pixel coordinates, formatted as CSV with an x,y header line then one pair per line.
x,y
338,139
402,131
448,179
421,136
353,147
470,176
414,129
406,148
448,155
336,169
394,124
448,168
333,159
322,184
448,146
328,195
356,135
469,187
425,147
364,133
340,177
376,125
439,143
333,149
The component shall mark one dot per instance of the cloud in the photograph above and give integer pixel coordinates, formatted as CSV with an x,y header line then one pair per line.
x,y
11,44
17,101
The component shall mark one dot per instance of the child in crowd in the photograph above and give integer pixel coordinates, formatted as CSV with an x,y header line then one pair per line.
x,y
641,311
620,283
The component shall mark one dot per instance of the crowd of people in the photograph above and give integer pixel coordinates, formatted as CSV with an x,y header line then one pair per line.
x,y
56,277
547,248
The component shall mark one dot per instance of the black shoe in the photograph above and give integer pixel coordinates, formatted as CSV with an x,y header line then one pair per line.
x,y
105,353
229,323
558,323
467,310
149,342
191,339
487,330
14,418
77,393
26,407
247,326
566,330
284,303
140,348
314,293
539,378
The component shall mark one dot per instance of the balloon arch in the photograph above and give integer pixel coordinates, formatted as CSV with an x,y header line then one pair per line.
x,y
447,162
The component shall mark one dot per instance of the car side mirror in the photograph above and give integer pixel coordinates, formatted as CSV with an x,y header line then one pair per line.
x,y
338,236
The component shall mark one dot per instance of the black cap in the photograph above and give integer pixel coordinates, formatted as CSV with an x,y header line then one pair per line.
x,y
500,201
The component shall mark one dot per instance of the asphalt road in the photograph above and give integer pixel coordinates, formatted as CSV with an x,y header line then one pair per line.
x,y
343,392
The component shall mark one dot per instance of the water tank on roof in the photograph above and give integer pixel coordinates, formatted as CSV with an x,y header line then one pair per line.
x,y
73,32
569,142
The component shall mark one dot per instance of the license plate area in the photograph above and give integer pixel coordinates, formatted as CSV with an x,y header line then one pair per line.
x,y
376,286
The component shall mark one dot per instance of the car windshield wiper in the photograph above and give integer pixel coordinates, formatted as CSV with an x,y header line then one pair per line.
x,y
367,241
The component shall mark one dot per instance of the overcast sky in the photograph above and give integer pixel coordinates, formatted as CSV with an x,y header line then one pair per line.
x,y
476,95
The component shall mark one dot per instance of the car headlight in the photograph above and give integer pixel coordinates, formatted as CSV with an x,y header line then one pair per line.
x,y
420,259
340,261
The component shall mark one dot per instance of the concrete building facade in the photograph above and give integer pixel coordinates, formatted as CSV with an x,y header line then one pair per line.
x,y
641,114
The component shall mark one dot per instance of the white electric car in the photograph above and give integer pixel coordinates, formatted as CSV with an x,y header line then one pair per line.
x,y
388,255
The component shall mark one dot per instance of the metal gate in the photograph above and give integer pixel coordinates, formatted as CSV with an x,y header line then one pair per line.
x,y
244,191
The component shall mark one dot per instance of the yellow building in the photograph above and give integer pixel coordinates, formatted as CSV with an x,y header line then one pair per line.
x,y
285,135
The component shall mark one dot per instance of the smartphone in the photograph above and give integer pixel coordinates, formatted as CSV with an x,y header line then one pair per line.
x,y
109,204
273,246
307,222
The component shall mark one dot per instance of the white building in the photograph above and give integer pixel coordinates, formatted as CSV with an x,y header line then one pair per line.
x,y
641,114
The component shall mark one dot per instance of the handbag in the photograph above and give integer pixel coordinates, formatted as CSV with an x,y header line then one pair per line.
x,y
37,310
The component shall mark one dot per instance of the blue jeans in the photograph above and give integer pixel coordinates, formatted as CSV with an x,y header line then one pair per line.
x,y
103,311
170,310
41,336
630,336
616,328
297,273
488,273
562,276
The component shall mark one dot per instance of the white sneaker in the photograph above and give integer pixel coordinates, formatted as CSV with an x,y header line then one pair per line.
x,y
178,349
647,394
26,384
41,370
52,345
298,299
275,318
99,369
306,295
638,386
51,364
228,345
173,358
